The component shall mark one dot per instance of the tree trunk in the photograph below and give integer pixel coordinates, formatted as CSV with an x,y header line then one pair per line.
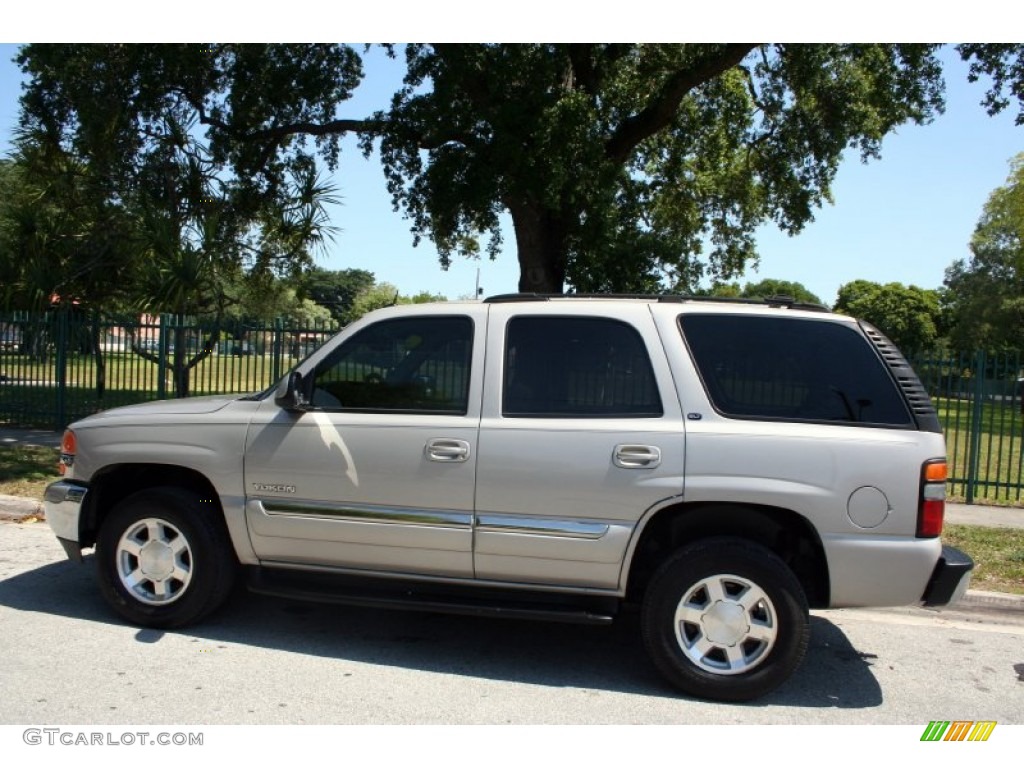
x,y
180,367
541,244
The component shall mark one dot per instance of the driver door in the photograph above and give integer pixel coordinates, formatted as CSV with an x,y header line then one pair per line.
x,y
379,473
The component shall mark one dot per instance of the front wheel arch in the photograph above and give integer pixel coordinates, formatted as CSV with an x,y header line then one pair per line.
x,y
109,486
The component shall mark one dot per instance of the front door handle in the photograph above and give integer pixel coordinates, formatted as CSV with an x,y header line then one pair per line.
x,y
637,456
447,450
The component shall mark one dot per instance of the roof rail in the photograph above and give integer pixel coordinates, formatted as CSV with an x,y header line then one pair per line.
x,y
787,302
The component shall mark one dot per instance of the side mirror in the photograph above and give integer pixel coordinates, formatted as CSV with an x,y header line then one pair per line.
x,y
295,396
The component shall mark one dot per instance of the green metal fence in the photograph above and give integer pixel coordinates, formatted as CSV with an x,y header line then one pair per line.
x,y
979,400
56,367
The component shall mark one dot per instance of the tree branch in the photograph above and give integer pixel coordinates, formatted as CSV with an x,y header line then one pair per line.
x,y
662,107
278,132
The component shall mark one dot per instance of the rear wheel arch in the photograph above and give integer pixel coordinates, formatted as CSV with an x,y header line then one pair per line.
x,y
787,534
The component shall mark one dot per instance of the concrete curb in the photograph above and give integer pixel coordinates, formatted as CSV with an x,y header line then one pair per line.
x,y
18,508
1002,601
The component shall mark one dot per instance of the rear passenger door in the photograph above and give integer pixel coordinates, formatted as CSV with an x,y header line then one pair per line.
x,y
580,434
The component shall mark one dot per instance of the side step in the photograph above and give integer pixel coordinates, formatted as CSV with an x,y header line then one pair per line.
x,y
430,597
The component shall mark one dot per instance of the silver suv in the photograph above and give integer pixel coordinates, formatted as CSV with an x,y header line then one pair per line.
x,y
722,465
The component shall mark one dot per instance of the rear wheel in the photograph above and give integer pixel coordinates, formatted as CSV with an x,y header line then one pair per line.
x,y
164,558
725,619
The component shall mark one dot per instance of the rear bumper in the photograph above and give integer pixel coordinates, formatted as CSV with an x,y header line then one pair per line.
x,y
950,579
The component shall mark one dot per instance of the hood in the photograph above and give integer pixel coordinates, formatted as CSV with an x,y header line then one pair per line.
x,y
186,406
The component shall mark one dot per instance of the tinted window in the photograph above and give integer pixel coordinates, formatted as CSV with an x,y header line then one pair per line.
x,y
412,364
787,368
567,366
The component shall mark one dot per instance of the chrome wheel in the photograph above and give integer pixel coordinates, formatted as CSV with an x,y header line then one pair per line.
x,y
726,624
154,561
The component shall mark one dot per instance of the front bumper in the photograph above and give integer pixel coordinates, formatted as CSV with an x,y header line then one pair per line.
x,y
950,579
62,502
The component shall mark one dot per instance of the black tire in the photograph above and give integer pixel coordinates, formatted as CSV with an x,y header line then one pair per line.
x,y
164,558
725,619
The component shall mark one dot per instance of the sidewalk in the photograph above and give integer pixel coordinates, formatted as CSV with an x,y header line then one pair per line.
x,y
17,436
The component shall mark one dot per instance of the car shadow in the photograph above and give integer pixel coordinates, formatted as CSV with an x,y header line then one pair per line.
x,y
611,658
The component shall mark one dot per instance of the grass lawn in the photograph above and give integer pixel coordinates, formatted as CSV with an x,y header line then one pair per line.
x,y
26,470
998,555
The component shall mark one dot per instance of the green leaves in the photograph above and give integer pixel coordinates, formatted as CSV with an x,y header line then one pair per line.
x,y
631,166
624,167
908,315
184,143
985,294
1004,64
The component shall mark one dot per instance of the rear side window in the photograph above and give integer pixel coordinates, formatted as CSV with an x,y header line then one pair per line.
x,y
577,367
792,369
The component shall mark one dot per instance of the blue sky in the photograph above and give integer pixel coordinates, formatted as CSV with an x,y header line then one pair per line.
x,y
903,218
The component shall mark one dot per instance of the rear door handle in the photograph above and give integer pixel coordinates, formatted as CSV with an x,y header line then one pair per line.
x,y
447,450
637,456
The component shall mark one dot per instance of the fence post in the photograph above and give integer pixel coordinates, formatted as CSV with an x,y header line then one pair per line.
x,y
275,369
161,351
61,368
974,449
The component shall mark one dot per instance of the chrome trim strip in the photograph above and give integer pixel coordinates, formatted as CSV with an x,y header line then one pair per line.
x,y
366,514
577,529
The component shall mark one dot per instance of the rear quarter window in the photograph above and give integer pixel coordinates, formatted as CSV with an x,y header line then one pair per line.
x,y
792,369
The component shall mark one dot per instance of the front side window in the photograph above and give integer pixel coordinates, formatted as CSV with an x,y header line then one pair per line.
x,y
792,369
416,365
577,367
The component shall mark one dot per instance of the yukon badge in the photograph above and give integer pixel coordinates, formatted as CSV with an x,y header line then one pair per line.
x,y
273,488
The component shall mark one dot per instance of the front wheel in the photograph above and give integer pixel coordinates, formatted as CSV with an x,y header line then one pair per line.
x,y
164,558
725,619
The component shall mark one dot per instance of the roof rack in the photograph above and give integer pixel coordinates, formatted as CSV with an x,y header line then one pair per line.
x,y
787,302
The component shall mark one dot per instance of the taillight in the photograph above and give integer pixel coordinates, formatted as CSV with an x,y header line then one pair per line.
x,y
68,449
931,507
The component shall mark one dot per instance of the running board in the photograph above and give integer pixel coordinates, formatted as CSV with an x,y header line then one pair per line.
x,y
418,596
